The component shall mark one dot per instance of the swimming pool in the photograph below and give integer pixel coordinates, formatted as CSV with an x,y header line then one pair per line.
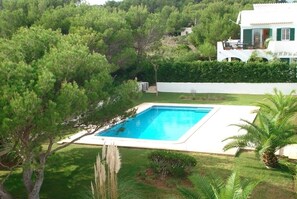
x,y
166,123
205,136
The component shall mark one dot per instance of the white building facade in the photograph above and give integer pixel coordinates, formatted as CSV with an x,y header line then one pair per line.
x,y
268,31
186,31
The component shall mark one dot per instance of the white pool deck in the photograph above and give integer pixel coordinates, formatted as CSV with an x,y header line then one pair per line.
x,y
206,138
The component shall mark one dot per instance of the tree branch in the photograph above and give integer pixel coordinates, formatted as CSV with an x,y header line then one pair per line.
x,y
74,140
10,171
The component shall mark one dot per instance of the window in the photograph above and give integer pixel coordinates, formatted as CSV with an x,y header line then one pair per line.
x,y
285,33
286,60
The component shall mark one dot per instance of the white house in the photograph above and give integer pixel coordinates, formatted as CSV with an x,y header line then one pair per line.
x,y
186,31
268,29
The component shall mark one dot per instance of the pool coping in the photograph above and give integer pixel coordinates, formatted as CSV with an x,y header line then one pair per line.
x,y
182,138
206,137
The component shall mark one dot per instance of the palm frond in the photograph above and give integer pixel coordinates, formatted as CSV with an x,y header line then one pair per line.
x,y
215,188
217,182
238,142
248,187
279,106
187,193
232,186
254,136
216,192
203,186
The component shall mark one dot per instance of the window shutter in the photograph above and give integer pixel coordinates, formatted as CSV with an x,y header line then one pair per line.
x,y
292,34
278,34
270,33
247,36
287,60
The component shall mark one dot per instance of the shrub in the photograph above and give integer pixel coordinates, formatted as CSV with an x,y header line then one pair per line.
x,y
253,72
168,163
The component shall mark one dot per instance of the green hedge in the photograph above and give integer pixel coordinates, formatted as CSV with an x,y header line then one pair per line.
x,y
168,163
169,71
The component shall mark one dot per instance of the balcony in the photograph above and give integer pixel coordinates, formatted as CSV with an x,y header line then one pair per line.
x,y
227,50
234,49
233,44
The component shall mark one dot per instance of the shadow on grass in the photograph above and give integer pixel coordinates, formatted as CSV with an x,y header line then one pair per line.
x,y
15,186
70,172
275,183
266,190
283,172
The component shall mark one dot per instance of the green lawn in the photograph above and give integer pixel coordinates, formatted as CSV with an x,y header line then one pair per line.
x,y
228,99
70,171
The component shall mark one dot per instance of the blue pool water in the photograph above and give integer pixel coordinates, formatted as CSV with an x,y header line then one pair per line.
x,y
158,123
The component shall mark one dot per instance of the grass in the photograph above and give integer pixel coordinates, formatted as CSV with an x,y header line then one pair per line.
x,y
275,183
227,99
70,171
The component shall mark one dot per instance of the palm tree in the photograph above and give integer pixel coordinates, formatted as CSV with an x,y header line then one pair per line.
x,y
216,188
273,130
266,136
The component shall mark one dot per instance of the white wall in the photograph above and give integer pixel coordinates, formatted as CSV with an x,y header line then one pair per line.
x,y
232,88
143,86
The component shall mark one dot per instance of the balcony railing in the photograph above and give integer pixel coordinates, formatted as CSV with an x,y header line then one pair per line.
x,y
237,44
235,49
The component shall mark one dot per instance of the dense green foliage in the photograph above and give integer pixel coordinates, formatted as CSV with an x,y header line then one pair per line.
x,y
51,85
255,72
127,31
168,163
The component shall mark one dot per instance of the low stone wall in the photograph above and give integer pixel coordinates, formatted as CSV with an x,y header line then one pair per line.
x,y
231,88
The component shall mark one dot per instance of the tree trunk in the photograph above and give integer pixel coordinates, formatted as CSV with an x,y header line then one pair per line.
x,y
33,183
156,77
34,193
270,159
27,178
3,193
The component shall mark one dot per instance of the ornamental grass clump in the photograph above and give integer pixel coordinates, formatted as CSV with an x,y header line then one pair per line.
x,y
106,168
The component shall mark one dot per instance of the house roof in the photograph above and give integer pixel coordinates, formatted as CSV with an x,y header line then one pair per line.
x,y
266,14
